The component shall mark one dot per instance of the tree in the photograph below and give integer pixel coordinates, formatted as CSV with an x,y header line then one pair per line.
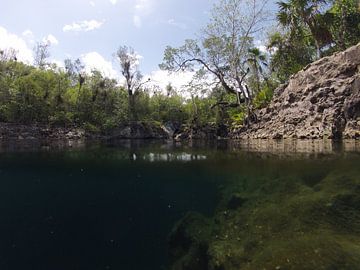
x,y
343,19
287,55
170,90
75,70
223,48
41,51
310,29
129,64
257,60
302,15
8,55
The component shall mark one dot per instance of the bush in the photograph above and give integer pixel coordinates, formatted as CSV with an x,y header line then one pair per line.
x,y
237,119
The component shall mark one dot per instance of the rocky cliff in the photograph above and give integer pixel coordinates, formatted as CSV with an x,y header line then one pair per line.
x,y
136,130
321,101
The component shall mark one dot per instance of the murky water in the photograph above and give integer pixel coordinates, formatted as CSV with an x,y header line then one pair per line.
x,y
113,206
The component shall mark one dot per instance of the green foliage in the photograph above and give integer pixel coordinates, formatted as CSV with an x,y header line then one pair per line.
x,y
289,56
237,118
200,111
343,19
263,98
91,128
312,29
49,96
165,108
61,118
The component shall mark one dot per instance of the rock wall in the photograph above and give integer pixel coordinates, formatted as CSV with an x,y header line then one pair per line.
x,y
136,130
321,101
9,131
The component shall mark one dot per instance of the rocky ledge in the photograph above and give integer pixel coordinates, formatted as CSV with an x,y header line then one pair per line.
x,y
321,101
136,130
12,131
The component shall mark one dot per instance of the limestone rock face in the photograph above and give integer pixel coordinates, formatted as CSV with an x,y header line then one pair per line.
x,y
11,131
321,101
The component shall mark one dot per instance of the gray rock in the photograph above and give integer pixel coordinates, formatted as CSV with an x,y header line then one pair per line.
x,y
321,101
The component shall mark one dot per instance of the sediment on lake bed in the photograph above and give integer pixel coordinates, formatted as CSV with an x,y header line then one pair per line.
x,y
321,101
289,220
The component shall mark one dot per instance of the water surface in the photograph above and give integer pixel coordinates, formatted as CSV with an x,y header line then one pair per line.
x,y
112,206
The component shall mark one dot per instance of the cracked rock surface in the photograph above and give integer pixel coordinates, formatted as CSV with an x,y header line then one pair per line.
x,y
321,101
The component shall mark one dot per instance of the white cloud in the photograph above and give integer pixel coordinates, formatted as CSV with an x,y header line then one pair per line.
x,y
137,21
51,40
172,22
92,3
162,78
29,37
9,40
93,60
113,2
58,63
83,26
261,46
143,6
28,33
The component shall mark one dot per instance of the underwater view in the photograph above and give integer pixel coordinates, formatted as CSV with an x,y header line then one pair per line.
x,y
141,205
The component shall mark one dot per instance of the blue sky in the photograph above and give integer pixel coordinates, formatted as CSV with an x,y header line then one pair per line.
x,y
94,29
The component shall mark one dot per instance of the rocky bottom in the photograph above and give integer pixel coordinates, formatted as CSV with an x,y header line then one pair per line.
x,y
275,218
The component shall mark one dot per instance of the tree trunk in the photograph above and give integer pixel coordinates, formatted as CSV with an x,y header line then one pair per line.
x,y
132,116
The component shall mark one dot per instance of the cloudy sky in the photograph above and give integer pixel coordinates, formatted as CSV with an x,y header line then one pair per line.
x,y
93,30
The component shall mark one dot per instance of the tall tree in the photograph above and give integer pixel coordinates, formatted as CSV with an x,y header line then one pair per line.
x,y
343,19
42,53
300,16
223,47
75,70
129,64
257,60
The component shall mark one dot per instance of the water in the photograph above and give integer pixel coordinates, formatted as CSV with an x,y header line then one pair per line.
x,y
113,206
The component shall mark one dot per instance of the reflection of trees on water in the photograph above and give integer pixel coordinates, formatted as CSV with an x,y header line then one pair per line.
x,y
159,153
168,157
171,151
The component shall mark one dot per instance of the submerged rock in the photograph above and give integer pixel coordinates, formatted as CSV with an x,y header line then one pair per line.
x,y
284,223
321,101
235,201
188,243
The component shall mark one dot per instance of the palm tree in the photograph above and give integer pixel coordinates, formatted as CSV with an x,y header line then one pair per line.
x,y
300,15
257,60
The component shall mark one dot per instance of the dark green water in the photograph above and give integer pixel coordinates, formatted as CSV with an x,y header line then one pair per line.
x,y
113,206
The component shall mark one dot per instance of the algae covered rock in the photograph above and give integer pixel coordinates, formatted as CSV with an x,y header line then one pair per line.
x,y
235,201
307,219
188,242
